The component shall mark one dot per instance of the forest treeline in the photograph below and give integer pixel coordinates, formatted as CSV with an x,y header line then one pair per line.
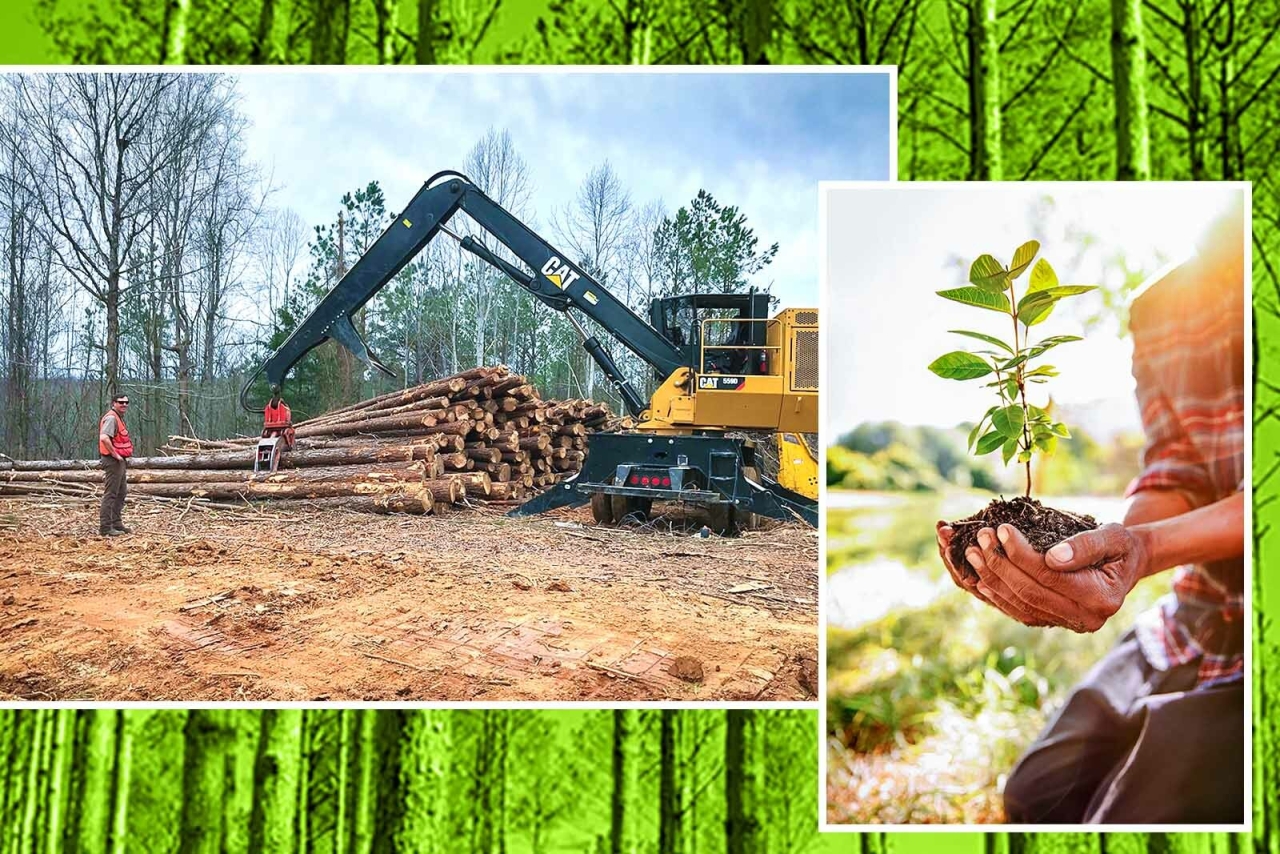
x,y
485,781
142,252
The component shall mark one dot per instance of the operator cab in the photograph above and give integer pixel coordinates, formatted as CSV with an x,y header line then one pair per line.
x,y
718,333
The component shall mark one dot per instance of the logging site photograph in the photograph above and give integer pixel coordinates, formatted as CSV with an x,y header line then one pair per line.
x,y
1035,577
416,386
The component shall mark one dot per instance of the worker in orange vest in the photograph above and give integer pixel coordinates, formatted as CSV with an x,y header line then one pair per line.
x,y
277,420
114,447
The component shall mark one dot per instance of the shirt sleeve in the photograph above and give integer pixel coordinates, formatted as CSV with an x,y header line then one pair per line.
x,y
109,426
1169,459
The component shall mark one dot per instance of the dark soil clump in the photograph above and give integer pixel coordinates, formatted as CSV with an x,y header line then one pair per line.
x,y
1044,527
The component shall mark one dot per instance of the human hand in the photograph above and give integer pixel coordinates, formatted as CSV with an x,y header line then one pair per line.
x,y
966,581
1080,583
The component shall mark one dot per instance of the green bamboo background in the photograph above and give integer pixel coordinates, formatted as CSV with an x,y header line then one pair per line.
x,y
988,90
365,781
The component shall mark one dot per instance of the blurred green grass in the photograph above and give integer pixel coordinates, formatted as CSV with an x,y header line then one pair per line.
x,y
929,707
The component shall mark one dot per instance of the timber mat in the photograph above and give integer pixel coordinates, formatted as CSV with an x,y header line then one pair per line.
x,y
1059,116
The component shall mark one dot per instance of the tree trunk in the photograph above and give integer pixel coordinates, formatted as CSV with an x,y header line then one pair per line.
x,y
177,13
123,781
744,783
64,756
1128,74
424,751
204,774
878,843
330,22
98,774
263,50
364,804
1191,36
277,779
33,783
984,93
426,48
755,30
388,12
112,305
625,739
672,788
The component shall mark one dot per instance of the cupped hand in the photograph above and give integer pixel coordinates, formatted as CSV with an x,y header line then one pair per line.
x,y
964,580
1080,583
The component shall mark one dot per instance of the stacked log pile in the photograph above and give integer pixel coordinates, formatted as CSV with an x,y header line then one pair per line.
x,y
483,434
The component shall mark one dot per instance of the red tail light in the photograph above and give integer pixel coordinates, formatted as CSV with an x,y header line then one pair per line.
x,y
666,481
634,479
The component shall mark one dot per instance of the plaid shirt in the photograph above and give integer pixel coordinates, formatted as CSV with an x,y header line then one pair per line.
x,y
1188,360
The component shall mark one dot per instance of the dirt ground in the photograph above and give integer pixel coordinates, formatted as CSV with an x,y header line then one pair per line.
x,y
310,603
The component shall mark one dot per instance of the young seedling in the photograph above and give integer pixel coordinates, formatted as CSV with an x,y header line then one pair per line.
x,y
1013,426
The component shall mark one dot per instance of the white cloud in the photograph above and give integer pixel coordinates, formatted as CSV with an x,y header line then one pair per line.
x,y
760,142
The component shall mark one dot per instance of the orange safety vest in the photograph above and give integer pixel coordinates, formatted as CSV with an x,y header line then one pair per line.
x,y
120,441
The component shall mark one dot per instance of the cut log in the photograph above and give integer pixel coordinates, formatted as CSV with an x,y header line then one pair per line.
x,y
477,483
481,433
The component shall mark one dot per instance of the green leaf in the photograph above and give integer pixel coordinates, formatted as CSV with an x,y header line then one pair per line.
x,y
1024,456
1050,343
1008,421
990,339
1061,291
1022,257
1011,389
1035,306
959,365
1008,449
989,442
988,274
979,298
1042,371
1042,277
1060,429
977,428
1014,362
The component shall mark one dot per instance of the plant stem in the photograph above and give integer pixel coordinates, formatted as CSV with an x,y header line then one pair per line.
x,y
1022,388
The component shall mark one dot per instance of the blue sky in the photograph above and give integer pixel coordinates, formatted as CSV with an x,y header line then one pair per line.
x,y
760,141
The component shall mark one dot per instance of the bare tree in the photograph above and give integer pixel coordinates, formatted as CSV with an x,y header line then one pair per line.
x,y
499,170
281,248
598,227
94,175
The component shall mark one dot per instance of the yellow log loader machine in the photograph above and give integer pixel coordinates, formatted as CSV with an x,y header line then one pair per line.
x,y
724,366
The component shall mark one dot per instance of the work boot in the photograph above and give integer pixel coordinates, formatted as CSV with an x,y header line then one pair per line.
x,y
121,529
107,532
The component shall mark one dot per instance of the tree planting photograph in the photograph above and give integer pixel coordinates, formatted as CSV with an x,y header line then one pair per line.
x,y
1036,490
415,386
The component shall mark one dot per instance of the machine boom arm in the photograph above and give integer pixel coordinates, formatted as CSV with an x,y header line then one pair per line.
x,y
554,281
